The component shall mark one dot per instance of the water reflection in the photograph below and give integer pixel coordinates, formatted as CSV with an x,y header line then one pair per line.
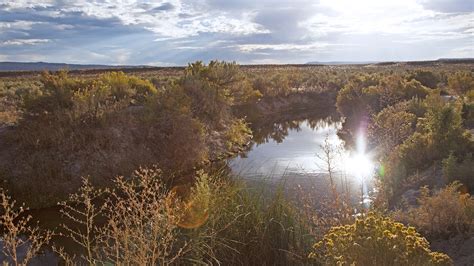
x,y
293,149
286,147
277,131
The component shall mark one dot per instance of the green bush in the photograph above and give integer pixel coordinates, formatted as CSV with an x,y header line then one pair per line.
x,y
375,240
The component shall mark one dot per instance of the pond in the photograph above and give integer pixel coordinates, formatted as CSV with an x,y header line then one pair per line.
x,y
291,148
298,152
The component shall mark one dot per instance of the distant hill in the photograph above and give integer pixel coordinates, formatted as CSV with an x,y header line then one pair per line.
x,y
382,63
342,63
38,66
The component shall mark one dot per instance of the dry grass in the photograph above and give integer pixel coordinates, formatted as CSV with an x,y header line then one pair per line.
x,y
441,213
20,241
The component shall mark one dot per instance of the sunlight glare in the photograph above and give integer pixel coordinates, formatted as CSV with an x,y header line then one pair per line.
x,y
361,165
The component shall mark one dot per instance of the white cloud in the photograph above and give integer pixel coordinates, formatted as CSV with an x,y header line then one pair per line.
x,y
405,20
24,42
24,25
165,23
17,4
249,48
17,25
247,30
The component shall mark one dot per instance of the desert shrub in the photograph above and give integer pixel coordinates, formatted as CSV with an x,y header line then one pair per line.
x,y
9,112
141,227
237,134
177,147
460,169
215,87
441,213
468,114
445,125
13,94
370,94
21,241
390,127
426,78
141,222
461,82
412,89
56,93
350,99
280,84
68,107
64,96
375,240
438,134
416,152
18,89
470,95
262,84
416,106
82,213
124,86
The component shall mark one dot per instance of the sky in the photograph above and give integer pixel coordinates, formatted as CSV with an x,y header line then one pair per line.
x,y
176,32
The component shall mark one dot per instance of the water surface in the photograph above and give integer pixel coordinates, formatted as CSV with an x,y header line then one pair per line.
x,y
288,148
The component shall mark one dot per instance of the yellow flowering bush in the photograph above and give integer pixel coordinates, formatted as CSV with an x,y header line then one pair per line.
x,y
376,240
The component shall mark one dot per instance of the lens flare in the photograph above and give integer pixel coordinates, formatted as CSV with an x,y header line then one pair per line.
x,y
194,211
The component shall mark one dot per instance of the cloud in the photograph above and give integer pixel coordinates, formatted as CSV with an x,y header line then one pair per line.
x,y
23,42
163,7
449,6
249,48
248,31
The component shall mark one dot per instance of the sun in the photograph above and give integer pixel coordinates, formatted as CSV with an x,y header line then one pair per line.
x,y
361,165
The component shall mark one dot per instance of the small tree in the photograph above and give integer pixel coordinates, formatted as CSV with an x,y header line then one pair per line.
x,y
329,157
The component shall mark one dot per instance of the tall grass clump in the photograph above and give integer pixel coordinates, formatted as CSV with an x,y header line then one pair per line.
x,y
249,227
